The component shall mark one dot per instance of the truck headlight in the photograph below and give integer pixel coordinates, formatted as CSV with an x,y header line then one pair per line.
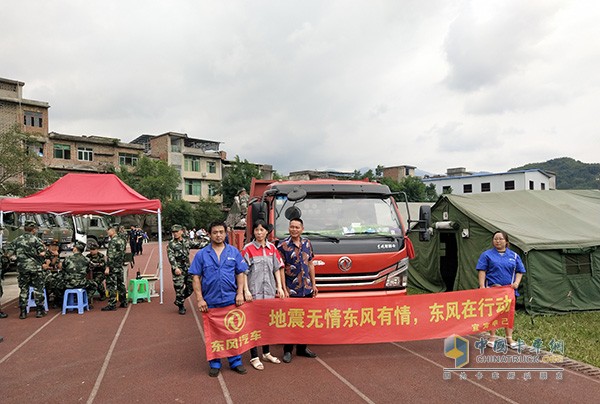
x,y
399,277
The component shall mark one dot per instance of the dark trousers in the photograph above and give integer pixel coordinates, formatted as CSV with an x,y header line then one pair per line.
x,y
254,351
299,347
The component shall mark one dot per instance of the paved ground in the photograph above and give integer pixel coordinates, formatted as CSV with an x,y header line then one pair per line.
x,y
149,353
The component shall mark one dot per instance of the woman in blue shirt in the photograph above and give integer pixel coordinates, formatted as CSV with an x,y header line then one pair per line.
x,y
500,266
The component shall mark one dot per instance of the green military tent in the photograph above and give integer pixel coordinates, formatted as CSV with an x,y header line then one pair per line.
x,y
556,233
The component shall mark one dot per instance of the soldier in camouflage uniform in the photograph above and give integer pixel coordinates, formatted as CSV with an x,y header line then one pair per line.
x,y
30,252
97,266
52,273
178,252
75,271
115,255
4,265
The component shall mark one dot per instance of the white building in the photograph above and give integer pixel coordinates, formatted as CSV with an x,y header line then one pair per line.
x,y
460,182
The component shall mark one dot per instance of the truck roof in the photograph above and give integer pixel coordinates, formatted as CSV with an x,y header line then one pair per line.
x,y
328,186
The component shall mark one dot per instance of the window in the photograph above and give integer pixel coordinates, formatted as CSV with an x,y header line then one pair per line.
x,y
578,264
485,187
62,151
193,187
213,189
31,117
35,149
85,154
192,163
211,167
128,159
467,188
542,186
509,185
531,186
447,189
176,145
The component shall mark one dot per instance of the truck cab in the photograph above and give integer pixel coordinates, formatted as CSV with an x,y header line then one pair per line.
x,y
358,236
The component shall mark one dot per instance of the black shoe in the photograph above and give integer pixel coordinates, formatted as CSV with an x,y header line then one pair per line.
x,y
214,372
287,357
307,353
3,314
23,314
181,310
40,312
138,276
240,369
108,308
123,305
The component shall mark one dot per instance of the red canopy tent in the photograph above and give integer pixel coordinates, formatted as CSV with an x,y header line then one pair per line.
x,y
78,194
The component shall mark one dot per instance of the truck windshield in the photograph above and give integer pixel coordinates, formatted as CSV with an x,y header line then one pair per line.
x,y
343,217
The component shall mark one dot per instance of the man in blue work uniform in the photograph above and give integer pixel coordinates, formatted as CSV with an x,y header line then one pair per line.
x,y
218,279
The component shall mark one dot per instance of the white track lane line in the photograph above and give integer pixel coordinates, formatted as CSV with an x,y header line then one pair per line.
x,y
8,355
500,396
345,381
226,393
109,354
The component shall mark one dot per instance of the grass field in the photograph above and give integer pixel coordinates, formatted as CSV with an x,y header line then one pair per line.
x,y
580,332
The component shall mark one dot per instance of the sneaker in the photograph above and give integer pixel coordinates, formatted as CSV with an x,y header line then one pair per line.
x,y
3,314
181,310
287,357
214,372
123,305
240,369
108,308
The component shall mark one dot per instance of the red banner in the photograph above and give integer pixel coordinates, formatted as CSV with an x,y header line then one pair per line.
x,y
356,320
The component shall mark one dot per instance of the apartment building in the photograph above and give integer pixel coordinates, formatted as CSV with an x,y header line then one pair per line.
x,y
96,154
198,161
459,182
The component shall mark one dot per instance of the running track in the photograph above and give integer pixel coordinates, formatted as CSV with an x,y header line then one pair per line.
x,y
148,353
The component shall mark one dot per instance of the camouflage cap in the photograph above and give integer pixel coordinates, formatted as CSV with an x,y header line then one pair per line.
x,y
93,244
80,246
176,227
30,223
54,241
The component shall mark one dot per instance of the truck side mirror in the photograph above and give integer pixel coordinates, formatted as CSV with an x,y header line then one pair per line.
x,y
424,222
258,210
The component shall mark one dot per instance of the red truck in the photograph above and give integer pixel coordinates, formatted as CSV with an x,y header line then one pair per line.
x,y
358,236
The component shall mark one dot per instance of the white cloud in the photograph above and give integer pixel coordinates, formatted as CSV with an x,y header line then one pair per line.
x,y
326,85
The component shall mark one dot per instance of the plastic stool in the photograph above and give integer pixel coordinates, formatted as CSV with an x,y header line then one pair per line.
x,y
75,299
31,300
138,289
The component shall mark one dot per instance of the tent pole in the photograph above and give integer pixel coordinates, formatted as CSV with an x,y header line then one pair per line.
x,y
160,257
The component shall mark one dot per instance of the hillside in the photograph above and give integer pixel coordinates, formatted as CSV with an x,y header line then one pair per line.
x,y
570,173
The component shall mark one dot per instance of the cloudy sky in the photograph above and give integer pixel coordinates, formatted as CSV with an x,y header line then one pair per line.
x,y
486,85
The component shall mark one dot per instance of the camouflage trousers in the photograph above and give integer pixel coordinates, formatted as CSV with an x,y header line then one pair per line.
x,y
37,280
55,286
99,278
115,282
183,286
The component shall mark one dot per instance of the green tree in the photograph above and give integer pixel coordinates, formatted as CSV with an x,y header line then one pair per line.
x,y
22,171
178,212
207,211
239,176
154,179
379,171
415,189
